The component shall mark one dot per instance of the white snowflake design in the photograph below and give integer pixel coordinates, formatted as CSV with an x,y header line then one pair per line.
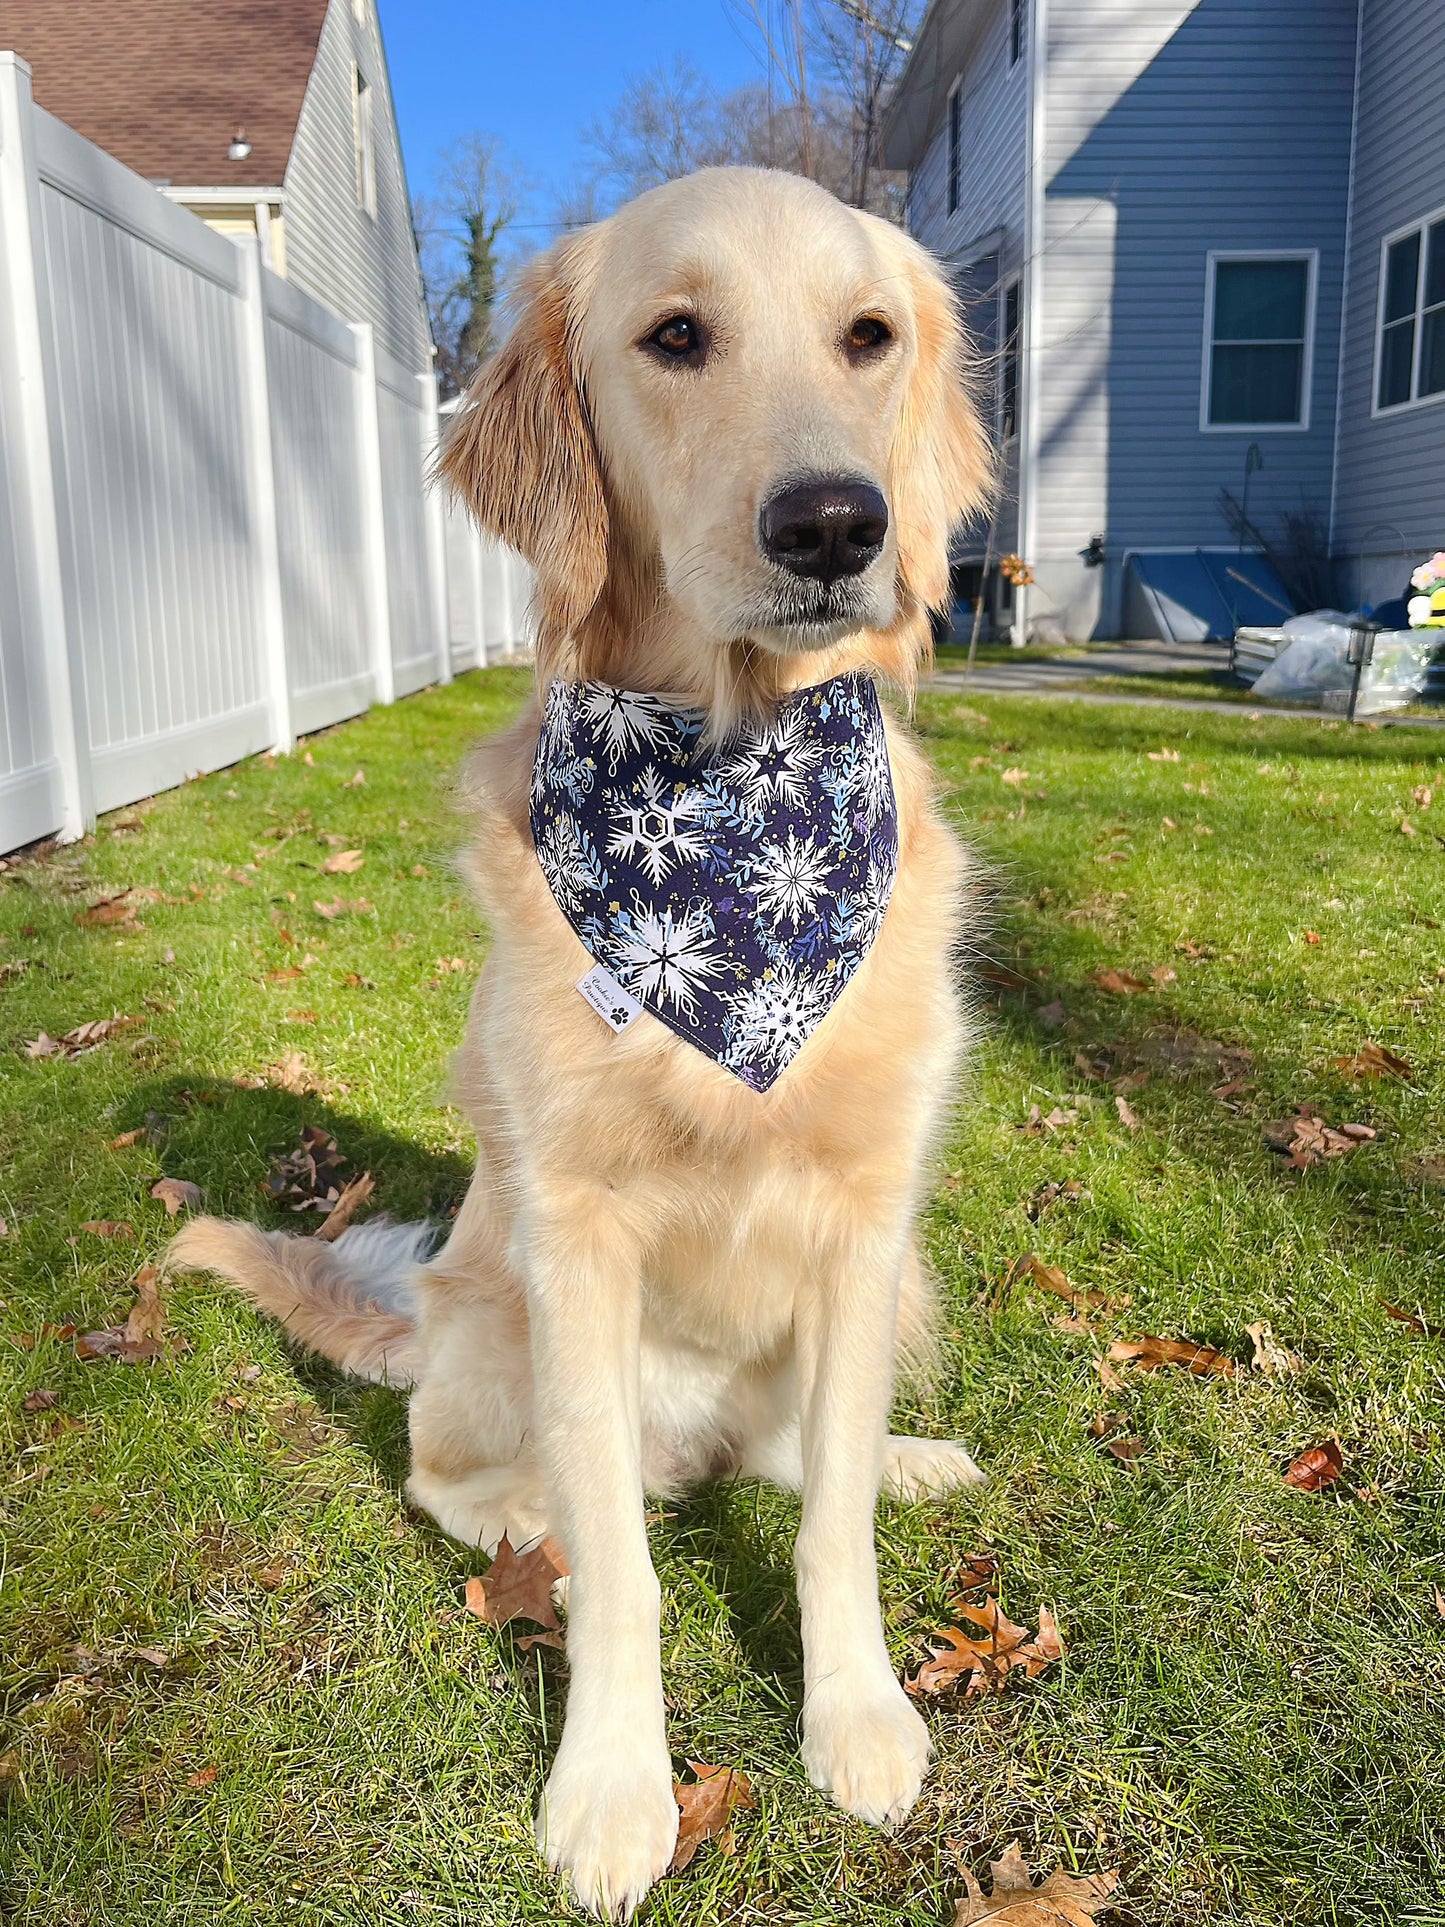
x,y
624,718
570,862
776,1016
653,830
791,878
773,763
659,955
872,777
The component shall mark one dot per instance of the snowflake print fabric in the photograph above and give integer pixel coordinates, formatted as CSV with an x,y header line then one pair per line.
x,y
733,888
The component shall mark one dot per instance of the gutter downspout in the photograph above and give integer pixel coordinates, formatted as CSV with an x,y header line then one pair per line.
x,y
1031,331
1345,291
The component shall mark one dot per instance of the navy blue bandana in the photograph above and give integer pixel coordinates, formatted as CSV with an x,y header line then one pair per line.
x,y
732,889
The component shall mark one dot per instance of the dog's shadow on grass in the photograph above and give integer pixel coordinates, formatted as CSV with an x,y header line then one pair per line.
x,y
224,1137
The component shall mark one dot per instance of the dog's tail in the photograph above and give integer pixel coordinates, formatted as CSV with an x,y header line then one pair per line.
x,y
353,1301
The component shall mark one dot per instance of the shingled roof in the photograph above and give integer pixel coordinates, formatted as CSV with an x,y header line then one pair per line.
x,y
164,85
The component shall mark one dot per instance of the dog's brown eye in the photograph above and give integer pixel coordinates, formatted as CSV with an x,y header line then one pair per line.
x,y
679,338
868,333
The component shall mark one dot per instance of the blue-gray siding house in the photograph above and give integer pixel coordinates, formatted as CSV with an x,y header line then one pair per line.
x,y
1185,229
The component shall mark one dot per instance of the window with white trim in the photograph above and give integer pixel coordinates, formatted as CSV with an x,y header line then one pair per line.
x,y
1258,341
1008,386
365,150
1015,32
1411,356
955,144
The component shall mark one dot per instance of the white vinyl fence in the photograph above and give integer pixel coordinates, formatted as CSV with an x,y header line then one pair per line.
x,y
216,531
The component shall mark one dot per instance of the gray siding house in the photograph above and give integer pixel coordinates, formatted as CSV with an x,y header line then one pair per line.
x,y
1190,236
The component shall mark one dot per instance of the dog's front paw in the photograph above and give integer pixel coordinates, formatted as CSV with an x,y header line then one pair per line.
x,y
608,1822
927,1468
865,1745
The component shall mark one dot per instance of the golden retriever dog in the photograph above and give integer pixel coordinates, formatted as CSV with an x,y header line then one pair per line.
x,y
731,429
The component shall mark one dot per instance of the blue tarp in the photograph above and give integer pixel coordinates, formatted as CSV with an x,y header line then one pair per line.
x,y
1198,595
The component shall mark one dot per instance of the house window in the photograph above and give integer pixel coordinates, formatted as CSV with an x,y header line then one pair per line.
x,y
1411,356
1258,341
365,152
1008,388
1015,31
955,143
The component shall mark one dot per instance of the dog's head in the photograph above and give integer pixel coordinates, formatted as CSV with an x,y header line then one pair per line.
x,y
731,423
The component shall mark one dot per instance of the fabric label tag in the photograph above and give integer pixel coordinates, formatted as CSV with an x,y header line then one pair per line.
x,y
614,1005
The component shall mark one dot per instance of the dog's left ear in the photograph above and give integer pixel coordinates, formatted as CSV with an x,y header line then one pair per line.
x,y
521,454
942,462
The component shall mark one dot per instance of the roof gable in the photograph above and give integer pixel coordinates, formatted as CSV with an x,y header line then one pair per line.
x,y
164,85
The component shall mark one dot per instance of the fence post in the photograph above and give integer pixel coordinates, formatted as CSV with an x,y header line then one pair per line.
x,y
47,640
478,587
262,479
373,513
434,509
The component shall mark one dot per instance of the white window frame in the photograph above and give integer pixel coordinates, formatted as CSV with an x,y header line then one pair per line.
x,y
1018,28
1311,256
1010,284
363,128
1422,227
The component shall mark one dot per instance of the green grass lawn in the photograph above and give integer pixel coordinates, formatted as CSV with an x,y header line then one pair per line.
x,y
1248,1723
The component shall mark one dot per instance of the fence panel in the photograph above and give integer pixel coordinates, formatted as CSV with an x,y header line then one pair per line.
x,y
402,428
149,438
311,368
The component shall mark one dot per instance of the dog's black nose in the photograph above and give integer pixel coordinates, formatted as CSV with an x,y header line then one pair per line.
x,y
824,528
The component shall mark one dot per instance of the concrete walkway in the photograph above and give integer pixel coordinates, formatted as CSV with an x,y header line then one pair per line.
x,y
1031,674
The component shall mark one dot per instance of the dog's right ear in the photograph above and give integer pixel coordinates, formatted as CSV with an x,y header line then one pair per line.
x,y
521,455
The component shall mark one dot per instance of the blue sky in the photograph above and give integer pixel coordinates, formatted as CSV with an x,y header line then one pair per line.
x,y
535,74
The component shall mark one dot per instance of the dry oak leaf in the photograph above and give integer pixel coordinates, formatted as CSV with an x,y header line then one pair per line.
x,y
346,1207
40,1400
120,908
343,863
83,1038
1149,1353
343,907
176,1194
108,1228
1053,1193
983,1665
1374,1060
1270,1357
1062,1901
1306,1139
518,1585
1128,1116
1120,983
705,1806
142,1336
310,1178
1050,1278
205,1777
1317,1468
291,1073
1410,1319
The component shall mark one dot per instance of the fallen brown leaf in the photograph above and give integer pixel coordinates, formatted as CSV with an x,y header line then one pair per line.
x,y
1313,937
705,1805
354,782
1051,1016
346,1207
342,907
108,1228
39,1400
1053,1193
310,1178
1306,1139
1050,1278
127,1138
142,1336
983,1665
176,1194
205,1777
1128,1116
1125,1449
1062,1900
1120,983
343,863
1317,1468
1270,1357
979,1569
120,908
291,1073
1374,1060
83,1038
519,1585
1411,1319
1164,974
1149,1353
1440,1602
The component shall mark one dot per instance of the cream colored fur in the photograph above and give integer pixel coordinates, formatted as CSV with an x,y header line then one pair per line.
x,y
659,1275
